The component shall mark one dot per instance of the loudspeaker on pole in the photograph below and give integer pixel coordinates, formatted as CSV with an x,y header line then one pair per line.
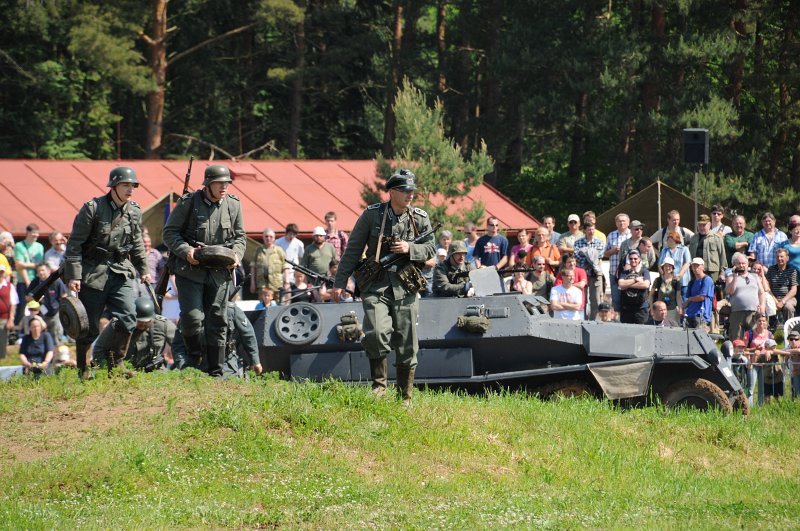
x,y
695,146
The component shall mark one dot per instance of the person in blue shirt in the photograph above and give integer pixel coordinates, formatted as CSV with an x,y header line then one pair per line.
x,y
699,297
491,249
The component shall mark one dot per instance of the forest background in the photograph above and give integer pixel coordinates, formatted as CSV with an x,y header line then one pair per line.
x,y
580,103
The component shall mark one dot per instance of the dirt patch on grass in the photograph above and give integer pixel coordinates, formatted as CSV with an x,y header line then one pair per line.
x,y
46,431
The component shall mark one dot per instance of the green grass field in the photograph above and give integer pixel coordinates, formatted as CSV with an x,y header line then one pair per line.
x,y
179,450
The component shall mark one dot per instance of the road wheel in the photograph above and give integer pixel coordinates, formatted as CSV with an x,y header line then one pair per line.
x,y
697,393
565,388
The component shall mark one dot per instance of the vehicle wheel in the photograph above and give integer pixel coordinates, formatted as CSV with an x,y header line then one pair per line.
x,y
565,388
742,404
697,393
298,324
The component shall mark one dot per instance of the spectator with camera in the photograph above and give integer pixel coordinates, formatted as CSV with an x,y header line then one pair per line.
x,y
36,349
746,296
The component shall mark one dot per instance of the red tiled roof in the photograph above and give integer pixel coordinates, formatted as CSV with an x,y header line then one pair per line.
x,y
273,193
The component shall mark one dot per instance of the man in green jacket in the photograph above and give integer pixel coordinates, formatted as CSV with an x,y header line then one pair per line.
x,y
210,216
104,253
390,304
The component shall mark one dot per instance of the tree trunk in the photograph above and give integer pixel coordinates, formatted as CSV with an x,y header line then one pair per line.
x,y
737,73
578,137
157,59
393,81
441,48
489,112
784,72
794,174
651,99
296,101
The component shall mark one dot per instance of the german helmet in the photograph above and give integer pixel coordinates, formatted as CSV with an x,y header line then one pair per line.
x,y
217,173
145,309
402,180
122,174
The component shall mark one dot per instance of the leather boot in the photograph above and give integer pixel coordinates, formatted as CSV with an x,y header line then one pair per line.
x,y
84,372
405,383
116,365
378,368
215,356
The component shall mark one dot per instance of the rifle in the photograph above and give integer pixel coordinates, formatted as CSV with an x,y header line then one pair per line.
x,y
317,279
368,269
38,292
163,280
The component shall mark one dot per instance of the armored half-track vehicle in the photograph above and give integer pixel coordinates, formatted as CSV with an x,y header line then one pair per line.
x,y
510,341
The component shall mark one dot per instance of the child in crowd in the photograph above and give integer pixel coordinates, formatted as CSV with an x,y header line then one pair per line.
x,y
266,298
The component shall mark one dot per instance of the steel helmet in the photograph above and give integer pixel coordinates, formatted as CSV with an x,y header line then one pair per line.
x,y
402,180
217,173
122,174
145,309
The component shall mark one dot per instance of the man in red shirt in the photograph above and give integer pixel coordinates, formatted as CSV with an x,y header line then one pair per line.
x,y
8,304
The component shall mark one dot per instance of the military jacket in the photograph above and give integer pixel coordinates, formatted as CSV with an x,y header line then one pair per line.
x,y
450,280
269,264
146,346
713,252
367,232
197,219
105,238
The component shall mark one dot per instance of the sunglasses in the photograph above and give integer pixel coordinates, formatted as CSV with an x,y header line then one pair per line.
x,y
493,224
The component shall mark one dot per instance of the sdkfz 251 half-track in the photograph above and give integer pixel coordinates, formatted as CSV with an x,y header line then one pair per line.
x,y
510,341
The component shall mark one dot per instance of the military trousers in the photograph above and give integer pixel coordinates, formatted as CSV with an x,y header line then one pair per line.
x,y
245,353
118,296
204,309
391,324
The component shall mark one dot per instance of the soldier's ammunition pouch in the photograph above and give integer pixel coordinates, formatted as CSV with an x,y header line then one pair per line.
x,y
478,324
411,279
349,329
367,271
101,255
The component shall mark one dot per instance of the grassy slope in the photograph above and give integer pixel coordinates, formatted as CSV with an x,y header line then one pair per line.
x,y
181,450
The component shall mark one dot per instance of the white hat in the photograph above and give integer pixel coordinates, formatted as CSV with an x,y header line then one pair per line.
x,y
668,260
441,251
573,217
318,231
698,261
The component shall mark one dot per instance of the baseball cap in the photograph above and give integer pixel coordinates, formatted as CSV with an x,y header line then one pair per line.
x,y
33,305
738,343
634,252
636,223
794,334
698,261
573,217
318,231
770,343
703,218
441,251
603,307
668,260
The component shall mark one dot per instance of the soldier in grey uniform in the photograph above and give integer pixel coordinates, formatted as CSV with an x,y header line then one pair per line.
x,y
390,307
151,339
104,253
209,216
450,277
